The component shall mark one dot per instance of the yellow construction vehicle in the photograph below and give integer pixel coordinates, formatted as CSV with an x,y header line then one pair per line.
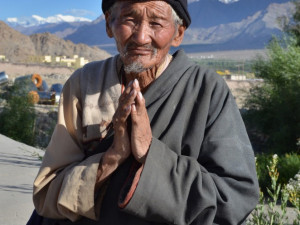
x,y
222,73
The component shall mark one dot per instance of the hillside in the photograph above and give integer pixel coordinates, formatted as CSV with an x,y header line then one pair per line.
x,y
14,45
91,34
251,32
210,13
50,44
18,47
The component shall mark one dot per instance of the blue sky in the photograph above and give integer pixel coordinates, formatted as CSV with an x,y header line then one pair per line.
x,y
90,9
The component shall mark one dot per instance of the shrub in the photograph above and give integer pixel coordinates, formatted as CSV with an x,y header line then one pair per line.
x,y
274,107
263,177
293,188
288,166
45,124
17,118
267,212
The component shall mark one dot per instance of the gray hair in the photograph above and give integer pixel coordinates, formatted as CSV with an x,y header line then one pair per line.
x,y
176,18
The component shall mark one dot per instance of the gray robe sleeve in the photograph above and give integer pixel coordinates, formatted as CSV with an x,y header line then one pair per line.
x,y
218,187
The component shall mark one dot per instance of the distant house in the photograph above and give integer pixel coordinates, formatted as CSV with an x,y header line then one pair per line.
x,y
57,59
81,61
47,59
238,77
2,57
226,74
75,61
67,61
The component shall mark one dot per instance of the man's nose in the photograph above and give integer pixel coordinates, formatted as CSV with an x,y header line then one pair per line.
x,y
142,34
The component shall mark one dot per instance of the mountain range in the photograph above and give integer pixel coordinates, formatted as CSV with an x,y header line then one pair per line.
x,y
216,25
250,31
18,47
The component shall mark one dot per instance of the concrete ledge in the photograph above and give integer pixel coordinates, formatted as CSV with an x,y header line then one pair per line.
x,y
19,164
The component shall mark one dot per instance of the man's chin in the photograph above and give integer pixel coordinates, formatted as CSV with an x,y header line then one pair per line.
x,y
134,67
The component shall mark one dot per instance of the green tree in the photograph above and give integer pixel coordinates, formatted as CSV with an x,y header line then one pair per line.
x,y
274,106
292,25
17,119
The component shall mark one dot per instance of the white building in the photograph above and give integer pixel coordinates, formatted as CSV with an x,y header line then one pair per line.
x,y
47,58
75,61
2,57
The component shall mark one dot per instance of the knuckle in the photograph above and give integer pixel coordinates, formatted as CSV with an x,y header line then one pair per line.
x,y
135,122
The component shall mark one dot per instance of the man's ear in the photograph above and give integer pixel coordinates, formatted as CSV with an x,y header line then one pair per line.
x,y
108,24
179,36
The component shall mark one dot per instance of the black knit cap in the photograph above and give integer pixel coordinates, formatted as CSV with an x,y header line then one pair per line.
x,y
180,7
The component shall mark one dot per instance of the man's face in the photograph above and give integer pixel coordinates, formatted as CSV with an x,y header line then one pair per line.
x,y
143,31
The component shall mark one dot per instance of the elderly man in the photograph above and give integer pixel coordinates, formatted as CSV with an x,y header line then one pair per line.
x,y
146,137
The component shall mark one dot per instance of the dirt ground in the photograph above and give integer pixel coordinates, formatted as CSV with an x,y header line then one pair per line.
x,y
53,75
240,89
50,74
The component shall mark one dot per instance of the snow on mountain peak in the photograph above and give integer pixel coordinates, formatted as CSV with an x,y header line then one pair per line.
x,y
228,1
223,1
35,20
38,18
12,20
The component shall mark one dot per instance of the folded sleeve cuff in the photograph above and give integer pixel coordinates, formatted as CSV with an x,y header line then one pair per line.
x,y
130,184
77,196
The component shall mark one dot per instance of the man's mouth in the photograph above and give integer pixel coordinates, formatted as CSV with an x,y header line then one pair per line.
x,y
132,49
139,51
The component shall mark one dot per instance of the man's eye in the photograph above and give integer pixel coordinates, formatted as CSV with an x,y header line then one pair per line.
x,y
155,24
128,19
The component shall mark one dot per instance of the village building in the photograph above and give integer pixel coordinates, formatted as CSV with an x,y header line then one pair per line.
x,y
75,61
47,59
2,57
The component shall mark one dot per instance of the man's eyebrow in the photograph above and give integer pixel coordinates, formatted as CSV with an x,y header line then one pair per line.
x,y
157,16
134,12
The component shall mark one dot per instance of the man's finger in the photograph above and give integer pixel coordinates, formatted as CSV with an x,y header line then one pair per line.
x,y
136,85
140,101
126,101
126,92
129,87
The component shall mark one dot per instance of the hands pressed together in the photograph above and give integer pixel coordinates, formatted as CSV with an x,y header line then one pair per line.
x,y
136,140
127,141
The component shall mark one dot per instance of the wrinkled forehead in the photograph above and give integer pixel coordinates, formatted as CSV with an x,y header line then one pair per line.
x,y
180,7
107,4
153,8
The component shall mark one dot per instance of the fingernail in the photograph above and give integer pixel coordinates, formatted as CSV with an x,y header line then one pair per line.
x,y
136,83
140,95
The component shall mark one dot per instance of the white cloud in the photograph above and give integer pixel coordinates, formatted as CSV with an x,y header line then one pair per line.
x,y
12,20
64,18
35,20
